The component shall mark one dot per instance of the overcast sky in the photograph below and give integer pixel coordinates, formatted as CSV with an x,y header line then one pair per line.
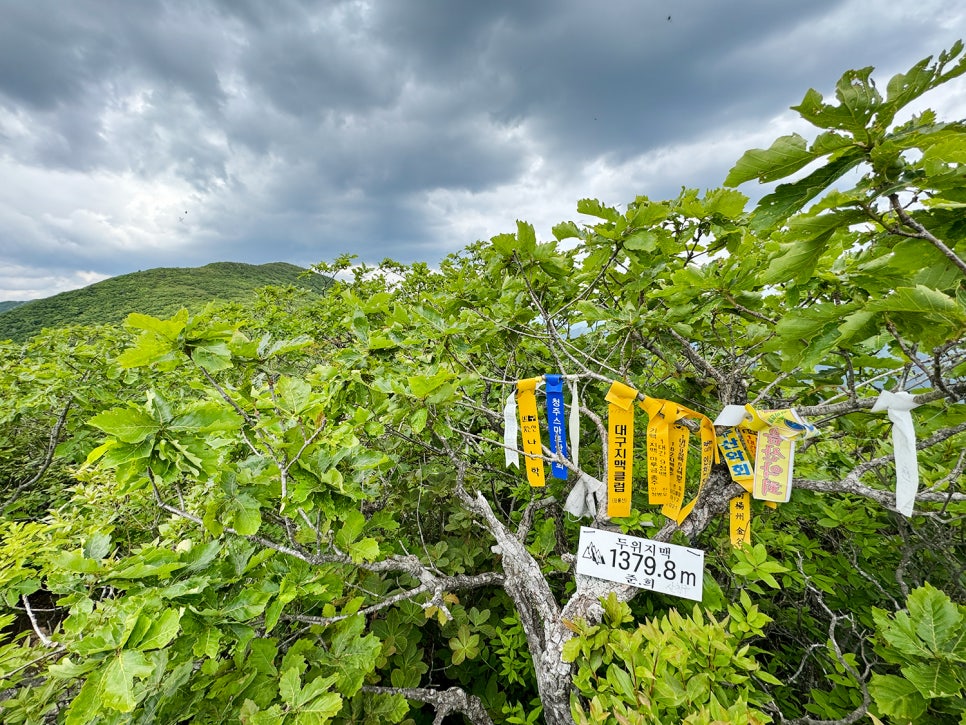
x,y
176,133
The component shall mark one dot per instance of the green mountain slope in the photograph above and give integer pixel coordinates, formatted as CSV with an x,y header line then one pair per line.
x,y
160,292
4,306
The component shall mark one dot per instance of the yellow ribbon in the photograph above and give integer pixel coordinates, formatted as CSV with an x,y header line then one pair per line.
x,y
667,455
620,449
777,431
741,520
530,427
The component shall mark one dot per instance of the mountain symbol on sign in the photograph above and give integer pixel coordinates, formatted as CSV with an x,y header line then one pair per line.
x,y
592,553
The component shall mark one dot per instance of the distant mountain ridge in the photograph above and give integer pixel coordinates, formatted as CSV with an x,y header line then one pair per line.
x,y
160,292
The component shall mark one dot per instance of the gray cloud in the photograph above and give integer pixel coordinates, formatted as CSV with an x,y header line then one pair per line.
x,y
179,132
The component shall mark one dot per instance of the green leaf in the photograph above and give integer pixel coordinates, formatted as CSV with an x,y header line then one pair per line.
x,y
918,299
98,545
247,517
897,697
213,357
858,102
796,260
423,385
163,629
169,328
289,685
785,156
129,425
365,550
117,679
788,199
934,679
526,237
206,417
595,208
935,616
565,230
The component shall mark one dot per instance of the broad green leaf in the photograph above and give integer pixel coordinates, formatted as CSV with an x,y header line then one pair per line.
x,y
934,615
565,230
247,517
207,643
526,237
87,702
595,208
164,628
320,709
423,385
169,328
796,260
644,240
149,349
117,679
289,685
315,690
212,357
858,102
249,604
366,549
906,87
935,679
897,697
790,198
98,545
918,299
899,631
206,417
785,156
262,655
129,425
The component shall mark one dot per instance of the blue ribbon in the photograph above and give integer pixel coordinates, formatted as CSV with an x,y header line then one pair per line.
x,y
556,423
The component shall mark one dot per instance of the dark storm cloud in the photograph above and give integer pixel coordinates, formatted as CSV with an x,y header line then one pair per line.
x,y
177,132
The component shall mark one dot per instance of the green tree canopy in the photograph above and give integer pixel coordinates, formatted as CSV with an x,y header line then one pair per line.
x,y
308,517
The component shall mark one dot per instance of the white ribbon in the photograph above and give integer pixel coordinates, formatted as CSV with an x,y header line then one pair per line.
x,y
574,425
510,431
898,406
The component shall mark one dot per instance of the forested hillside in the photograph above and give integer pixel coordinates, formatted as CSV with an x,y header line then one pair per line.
x,y
4,306
691,460
161,291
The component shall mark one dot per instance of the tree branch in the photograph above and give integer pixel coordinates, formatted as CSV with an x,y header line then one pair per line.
x,y
52,442
453,700
922,233
438,585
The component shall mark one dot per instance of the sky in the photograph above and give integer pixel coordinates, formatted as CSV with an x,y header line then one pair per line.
x,y
174,133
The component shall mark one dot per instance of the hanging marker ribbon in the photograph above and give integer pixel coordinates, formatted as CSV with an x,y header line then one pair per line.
x,y
556,426
778,431
667,455
731,444
658,452
510,431
741,520
530,427
574,425
620,448
898,406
